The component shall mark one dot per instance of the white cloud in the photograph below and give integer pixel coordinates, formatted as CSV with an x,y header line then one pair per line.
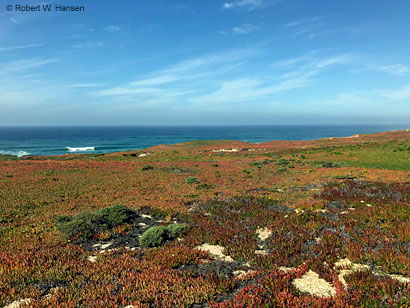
x,y
308,27
89,45
244,29
251,4
398,94
10,48
176,78
394,69
209,80
302,22
24,65
112,28
82,85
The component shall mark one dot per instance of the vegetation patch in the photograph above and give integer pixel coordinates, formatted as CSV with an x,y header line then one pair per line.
x,y
87,224
158,235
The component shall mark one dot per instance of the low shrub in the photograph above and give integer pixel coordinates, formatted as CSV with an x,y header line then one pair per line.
x,y
117,215
158,235
328,164
154,237
176,230
204,186
147,167
191,180
87,224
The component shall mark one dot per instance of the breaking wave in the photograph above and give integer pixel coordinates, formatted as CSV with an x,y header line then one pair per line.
x,y
15,153
83,149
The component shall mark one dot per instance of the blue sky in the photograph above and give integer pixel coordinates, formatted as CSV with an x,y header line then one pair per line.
x,y
206,62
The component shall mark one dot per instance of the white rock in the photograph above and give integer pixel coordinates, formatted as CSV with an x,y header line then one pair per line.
x,y
263,234
18,303
286,269
261,252
215,251
311,283
92,259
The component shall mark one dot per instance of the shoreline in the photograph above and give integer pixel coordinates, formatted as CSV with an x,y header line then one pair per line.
x,y
93,150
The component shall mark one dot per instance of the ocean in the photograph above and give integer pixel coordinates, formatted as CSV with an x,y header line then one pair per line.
x,y
21,141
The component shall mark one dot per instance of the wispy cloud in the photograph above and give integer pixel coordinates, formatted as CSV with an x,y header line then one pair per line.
x,y
250,4
10,48
112,28
394,69
24,65
83,85
89,45
402,93
185,80
302,22
14,20
175,79
244,29
308,27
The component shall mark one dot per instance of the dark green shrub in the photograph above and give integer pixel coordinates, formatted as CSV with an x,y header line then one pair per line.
x,y
328,164
204,186
117,215
154,237
82,226
147,167
191,180
86,224
60,219
282,169
176,230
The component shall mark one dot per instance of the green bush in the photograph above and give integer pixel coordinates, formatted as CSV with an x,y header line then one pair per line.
x,y
147,167
328,164
86,224
82,226
176,230
154,237
158,235
117,215
191,180
204,186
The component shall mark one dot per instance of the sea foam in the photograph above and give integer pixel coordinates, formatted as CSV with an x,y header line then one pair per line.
x,y
15,153
83,149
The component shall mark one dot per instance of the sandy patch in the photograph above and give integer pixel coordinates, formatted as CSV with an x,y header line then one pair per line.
x,y
353,267
362,267
263,234
286,269
144,154
261,252
311,283
18,303
215,251
92,259
102,246
226,150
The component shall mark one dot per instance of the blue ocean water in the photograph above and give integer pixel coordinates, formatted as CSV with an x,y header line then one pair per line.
x,y
22,141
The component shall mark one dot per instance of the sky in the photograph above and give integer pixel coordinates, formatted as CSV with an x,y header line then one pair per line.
x,y
234,62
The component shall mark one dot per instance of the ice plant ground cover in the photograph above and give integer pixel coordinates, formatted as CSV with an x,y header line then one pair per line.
x,y
322,223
